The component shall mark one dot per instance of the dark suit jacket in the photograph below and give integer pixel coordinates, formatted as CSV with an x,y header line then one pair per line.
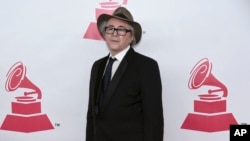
x,y
132,108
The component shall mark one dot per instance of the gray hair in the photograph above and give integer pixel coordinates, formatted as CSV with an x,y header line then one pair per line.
x,y
102,28
133,34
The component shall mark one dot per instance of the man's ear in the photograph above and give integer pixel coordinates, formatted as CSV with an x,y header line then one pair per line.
x,y
132,39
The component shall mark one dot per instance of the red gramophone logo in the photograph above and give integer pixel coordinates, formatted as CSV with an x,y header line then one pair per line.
x,y
26,113
106,8
210,113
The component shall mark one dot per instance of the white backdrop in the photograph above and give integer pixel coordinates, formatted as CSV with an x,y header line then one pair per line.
x,y
47,37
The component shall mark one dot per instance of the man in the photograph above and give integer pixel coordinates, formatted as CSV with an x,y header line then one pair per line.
x,y
126,106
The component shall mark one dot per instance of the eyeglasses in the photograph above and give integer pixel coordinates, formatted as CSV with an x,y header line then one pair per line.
x,y
120,30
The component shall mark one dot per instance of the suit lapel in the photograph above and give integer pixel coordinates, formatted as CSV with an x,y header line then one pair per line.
x,y
117,76
114,82
98,81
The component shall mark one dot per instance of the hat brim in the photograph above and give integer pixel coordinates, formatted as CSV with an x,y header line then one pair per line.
x,y
137,27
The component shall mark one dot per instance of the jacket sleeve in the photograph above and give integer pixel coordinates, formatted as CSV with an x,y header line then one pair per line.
x,y
89,127
152,103
90,121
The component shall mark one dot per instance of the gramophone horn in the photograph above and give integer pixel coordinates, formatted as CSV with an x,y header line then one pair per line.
x,y
16,78
201,75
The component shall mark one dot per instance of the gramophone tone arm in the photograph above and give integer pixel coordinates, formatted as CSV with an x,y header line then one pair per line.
x,y
213,91
223,89
33,92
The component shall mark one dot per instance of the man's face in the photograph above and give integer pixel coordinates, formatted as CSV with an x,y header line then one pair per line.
x,y
118,35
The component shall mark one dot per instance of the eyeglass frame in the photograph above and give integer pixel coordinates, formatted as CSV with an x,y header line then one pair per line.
x,y
117,30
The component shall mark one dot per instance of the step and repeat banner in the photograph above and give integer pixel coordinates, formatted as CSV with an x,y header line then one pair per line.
x,y
48,48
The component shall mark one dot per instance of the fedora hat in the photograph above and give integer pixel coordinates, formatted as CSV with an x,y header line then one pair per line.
x,y
122,14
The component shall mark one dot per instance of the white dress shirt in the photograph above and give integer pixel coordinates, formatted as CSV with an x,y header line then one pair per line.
x,y
119,58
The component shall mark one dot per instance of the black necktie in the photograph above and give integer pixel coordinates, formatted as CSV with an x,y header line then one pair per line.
x,y
106,78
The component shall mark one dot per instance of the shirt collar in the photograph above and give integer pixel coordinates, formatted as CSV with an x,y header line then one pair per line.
x,y
121,54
